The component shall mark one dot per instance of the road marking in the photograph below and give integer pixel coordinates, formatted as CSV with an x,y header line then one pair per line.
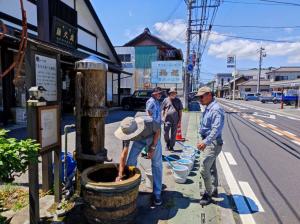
x,y
272,126
250,197
296,142
289,133
230,158
240,202
292,118
264,126
277,132
271,116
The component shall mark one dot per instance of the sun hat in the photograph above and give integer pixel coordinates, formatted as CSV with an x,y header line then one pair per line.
x,y
130,127
203,90
172,90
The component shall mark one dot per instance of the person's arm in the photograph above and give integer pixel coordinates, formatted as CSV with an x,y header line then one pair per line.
x,y
216,129
153,144
149,108
180,111
123,158
180,116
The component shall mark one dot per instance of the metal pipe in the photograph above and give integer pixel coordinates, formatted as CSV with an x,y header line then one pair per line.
x,y
66,132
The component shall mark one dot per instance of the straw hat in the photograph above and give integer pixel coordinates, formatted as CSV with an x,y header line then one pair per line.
x,y
130,127
203,90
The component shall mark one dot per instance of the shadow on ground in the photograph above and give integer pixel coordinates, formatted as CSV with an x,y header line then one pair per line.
x,y
173,202
239,208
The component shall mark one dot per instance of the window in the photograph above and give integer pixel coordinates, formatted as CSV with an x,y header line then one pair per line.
x,y
228,80
247,89
222,82
298,77
281,78
143,94
125,57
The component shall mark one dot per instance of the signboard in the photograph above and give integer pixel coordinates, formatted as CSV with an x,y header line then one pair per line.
x,y
230,61
46,76
63,33
48,126
166,72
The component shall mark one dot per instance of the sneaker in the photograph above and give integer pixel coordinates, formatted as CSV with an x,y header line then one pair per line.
x,y
157,201
215,193
205,200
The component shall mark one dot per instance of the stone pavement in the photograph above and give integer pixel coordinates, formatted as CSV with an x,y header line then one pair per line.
x,y
181,201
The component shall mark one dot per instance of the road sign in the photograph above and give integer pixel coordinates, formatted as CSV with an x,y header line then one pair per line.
x,y
190,67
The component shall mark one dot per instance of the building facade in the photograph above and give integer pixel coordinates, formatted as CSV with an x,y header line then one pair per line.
x,y
138,55
221,80
63,30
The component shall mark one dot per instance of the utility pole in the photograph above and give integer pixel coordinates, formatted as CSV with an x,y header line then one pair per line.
x,y
186,86
262,54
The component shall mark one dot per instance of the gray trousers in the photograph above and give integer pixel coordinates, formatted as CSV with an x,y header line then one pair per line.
x,y
208,167
170,138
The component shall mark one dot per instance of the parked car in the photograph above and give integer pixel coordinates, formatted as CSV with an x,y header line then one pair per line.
x,y
270,98
192,97
251,96
138,99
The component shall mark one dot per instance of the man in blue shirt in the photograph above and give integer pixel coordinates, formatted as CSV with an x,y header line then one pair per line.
x,y
153,110
211,127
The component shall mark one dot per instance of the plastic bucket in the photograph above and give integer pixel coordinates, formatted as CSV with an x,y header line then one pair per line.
x,y
186,162
149,178
190,156
180,173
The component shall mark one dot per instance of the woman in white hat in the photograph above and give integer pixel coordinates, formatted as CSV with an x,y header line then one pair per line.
x,y
144,132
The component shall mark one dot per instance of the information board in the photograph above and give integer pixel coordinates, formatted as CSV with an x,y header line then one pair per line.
x,y
46,76
166,72
48,126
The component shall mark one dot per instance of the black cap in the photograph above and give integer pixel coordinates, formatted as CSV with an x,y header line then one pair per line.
x,y
157,90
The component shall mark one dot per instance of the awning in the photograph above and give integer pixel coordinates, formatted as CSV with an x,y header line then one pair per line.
x,y
286,84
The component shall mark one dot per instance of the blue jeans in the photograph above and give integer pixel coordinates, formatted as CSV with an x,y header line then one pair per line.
x,y
156,161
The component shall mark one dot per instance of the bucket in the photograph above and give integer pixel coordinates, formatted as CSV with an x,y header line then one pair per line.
x,y
187,155
180,173
149,178
107,201
186,162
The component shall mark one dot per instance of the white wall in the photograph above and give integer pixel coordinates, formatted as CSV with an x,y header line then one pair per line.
x,y
86,20
13,8
86,39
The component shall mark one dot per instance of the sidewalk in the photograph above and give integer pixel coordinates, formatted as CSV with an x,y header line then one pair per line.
x,y
180,201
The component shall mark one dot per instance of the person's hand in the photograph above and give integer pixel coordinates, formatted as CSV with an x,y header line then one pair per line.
x,y
150,153
118,178
201,146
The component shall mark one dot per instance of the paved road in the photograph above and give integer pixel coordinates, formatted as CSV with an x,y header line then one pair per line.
x,y
261,162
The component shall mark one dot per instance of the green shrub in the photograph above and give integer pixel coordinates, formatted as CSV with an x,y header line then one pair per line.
x,y
15,156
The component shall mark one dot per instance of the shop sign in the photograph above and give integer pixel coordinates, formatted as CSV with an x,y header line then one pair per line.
x,y
166,72
64,33
46,76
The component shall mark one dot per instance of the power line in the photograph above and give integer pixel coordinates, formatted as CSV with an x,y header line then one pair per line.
x,y
257,39
257,26
170,15
280,2
267,3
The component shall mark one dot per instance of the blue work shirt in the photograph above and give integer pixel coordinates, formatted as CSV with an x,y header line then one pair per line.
x,y
212,123
153,106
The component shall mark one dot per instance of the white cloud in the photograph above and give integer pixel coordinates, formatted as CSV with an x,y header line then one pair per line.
x,y
173,30
246,49
220,46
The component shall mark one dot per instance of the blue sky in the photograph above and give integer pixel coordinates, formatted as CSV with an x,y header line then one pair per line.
x,y
124,19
